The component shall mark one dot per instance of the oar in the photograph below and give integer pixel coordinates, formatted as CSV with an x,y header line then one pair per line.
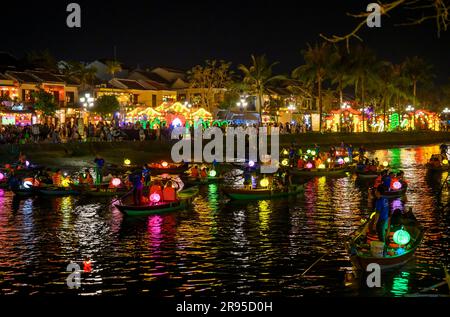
x,y
341,241
124,196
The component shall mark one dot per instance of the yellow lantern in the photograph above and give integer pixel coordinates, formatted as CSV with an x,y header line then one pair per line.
x,y
127,162
285,162
445,162
321,166
385,163
264,182
65,182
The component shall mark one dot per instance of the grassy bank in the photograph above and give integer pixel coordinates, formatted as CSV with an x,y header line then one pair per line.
x,y
82,154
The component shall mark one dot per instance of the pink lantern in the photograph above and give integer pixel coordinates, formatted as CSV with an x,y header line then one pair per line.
x,y
2,192
309,165
340,161
116,182
397,185
251,164
2,176
154,198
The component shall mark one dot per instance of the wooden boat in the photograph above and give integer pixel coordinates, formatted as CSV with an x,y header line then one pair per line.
x,y
24,192
319,172
263,193
395,193
368,174
98,191
56,191
202,180
361,257
157,169
159,208
437,169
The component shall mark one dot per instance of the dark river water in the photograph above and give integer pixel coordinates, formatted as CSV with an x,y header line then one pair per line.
x,y
219,248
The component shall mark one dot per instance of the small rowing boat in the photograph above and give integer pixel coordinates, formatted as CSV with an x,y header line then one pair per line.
x,y
166,168
261,193
56,191
184,197
202,180
362,250
313,172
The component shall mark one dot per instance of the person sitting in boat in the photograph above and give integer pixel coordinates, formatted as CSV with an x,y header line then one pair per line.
x,y
22,161
317,161
379,179
85,178
350,152
300,163
376,162
194,171
156,188
382,209
169,193
401,178
57,178
362,152
373,167
136,181
204,172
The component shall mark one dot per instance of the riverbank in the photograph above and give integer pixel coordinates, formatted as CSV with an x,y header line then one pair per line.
x,y
82,154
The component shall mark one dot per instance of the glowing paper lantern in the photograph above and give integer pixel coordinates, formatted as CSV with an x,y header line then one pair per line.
x,y
328,160
127,162
397,185
154,198
321,166
65,183
346,159
285,152
340,161
309,165
212,173
264,182
116,182
402,237
445,162
27,163
27,184
164,164
313,153
251,163
177,122
308,151
285,162
385,163
2,176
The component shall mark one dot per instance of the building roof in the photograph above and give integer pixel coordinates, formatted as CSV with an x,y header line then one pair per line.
x,y
130,84
69,80
154,77
23,77
47,77
154,85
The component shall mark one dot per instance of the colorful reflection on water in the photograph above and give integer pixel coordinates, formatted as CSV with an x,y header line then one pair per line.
x,y
220,247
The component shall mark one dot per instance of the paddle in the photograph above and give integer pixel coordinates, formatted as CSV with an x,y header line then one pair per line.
x,y
340,242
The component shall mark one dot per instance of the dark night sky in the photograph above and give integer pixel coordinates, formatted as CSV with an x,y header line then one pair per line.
x,y
183,33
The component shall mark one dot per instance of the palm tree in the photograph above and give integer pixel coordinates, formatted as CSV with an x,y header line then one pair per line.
x,y
258,76
364,72
113,67
85,75
417,70
340,71
318,61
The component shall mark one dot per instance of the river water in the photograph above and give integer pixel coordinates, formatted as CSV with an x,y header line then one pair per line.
x,y
219,248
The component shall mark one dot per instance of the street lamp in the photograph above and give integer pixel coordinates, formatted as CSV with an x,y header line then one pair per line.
x,y
242,103
87,101
446,110
291,108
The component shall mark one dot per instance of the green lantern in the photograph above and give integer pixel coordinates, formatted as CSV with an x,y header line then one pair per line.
x,y
402,237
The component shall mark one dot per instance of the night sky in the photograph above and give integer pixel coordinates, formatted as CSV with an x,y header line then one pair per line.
x,y
183,33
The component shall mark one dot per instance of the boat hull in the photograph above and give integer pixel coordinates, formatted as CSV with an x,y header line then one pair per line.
x,y
257,194
130,210
314,173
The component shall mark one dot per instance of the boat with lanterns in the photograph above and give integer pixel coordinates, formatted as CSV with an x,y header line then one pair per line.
x,y
168,168
313,172
405,235
265,191
438,163
157,204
